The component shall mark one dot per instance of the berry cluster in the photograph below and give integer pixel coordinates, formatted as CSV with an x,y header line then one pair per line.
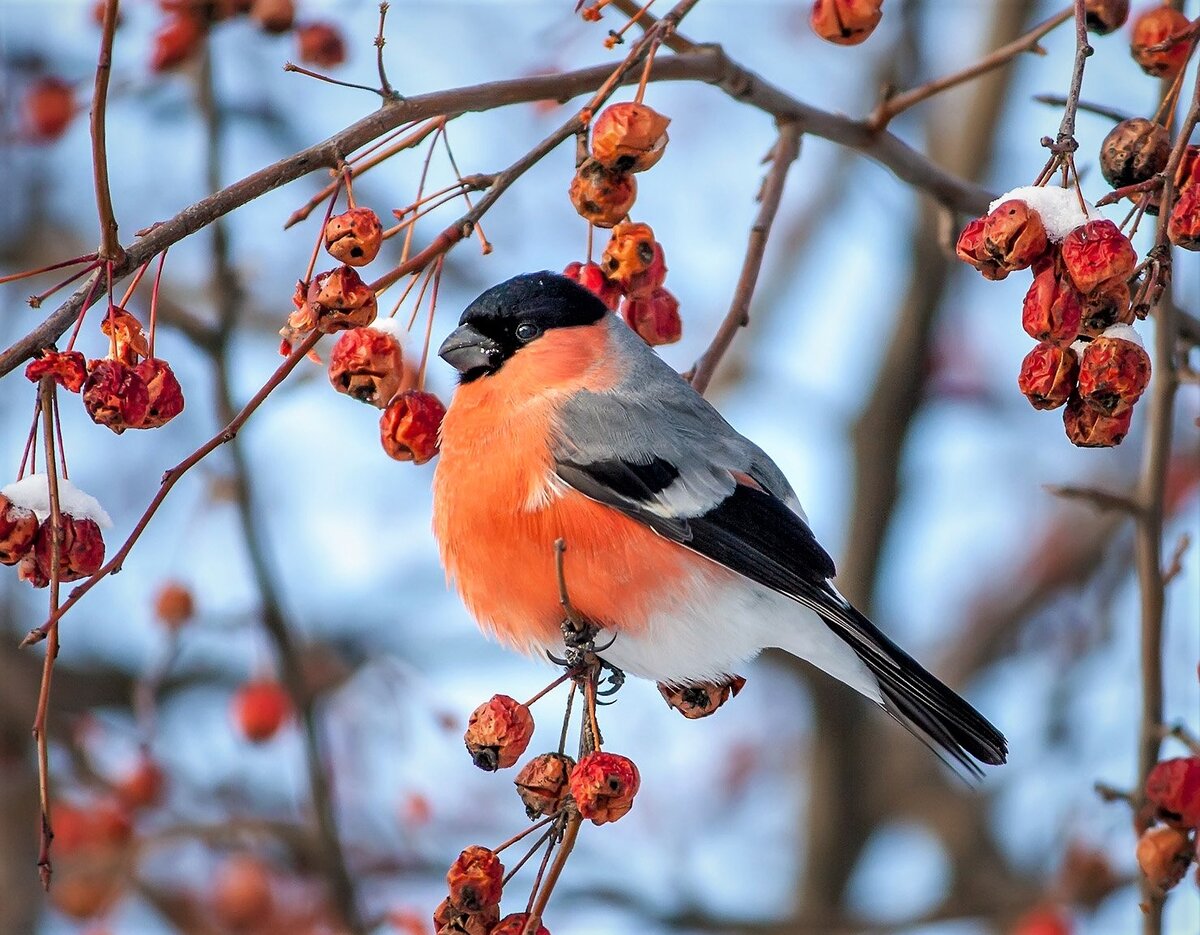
x,y
27,531
1169,844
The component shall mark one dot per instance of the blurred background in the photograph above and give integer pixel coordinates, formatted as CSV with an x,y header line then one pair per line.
x,y
878,372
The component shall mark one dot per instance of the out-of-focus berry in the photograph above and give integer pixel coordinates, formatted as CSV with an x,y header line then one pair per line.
x,y
1105,16
1173,788
177,40
242,896
260,707
49,108
1163,853
173,605
142,786
320,44
1153,27
273,16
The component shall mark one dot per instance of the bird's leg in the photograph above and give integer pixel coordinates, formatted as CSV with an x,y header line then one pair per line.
x,y
579,634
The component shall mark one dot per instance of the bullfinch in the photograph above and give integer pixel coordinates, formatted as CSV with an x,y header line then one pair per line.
x,y
683,541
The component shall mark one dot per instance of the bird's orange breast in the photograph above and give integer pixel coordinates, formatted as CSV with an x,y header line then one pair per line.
x,y
499,508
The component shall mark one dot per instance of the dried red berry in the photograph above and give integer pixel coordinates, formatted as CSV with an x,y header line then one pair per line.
x,y
367,364
514,924
591,277
49,108
1048,375
448,920
338,299
273,16
629,137
1106,305
1052,308
320,44
125,332
242,896
1105,16
115,396
644,284
1095,252
1134,150
142,786
1173,788
845,22
66,367
165,395
80,548
655,318
1183,226
408,428
603,786
1013,235
498,732
1113,372
173,605
601,196
1154,27
970,249
354,236
18,528
700,699
1088,427
630,252
476,879
542,783
177,40
1164,855
259,708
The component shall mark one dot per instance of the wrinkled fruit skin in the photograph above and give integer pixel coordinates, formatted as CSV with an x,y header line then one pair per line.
x,y
450,921
970,250
49,107
367,365
1014,236
18,528
1183,226
1052,309
592,278
475,879
1152,27
1088,427
845,22
1105,16
164,394
1048,375
514,924
68,369
498,733
543,783
1133,151
115,396
700,700
1113,374
1173,788
603,786
1095,252
80,548
1163,855
339,299
130,342
655,318
629,137
602,196
320,44
408,428
1107,305
260,708
629,253
644,284
354,237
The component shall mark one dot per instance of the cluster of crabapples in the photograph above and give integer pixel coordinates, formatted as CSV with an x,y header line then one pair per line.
x,y
1170,839
50,102
367,361
627,138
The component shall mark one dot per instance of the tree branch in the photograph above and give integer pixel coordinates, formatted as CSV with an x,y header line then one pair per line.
x,y
110,246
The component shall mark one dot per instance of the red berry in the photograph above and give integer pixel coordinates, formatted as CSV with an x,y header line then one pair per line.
x,y
1088,427
1096,252
408,428
602,196
49,108
630,253
970,249
18,529
1013,235
164,394
242,896
629,137
177,40
1052,308
336,300
1183,226
655,318
142,786
702,698
68,369
354,236
260,707
1153,27
591,277
367,364
845,22
1113,372
115,395
80,548
542,783
1173,788
498,732
603,786
514,924
320,44
476,879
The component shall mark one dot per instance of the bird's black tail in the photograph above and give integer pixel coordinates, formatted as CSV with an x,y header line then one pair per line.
x,y
930,710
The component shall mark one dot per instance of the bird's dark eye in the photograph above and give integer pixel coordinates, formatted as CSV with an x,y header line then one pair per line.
x,y
527,331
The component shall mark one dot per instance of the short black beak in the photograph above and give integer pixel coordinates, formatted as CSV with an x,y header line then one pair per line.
x,y
466,349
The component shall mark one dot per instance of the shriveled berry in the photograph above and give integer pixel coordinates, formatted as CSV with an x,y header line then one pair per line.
x,y
125,333
1105,16
970,249
68,369
476,879
592,278
845,22
49,108
700,699
367,364
644,284
80,547
655,318
408,428
338,299
629,137
514,924
260,707
1095,252
603,785
18,529
1106,305
1163,854
498,732
1048,375
630,252
1173,788
115,396
1153,27
602,196
542,783
1183,226
320,44
1014,235
1088,427
354,236
1134,150
164,394
1052,308
1113,371
447,920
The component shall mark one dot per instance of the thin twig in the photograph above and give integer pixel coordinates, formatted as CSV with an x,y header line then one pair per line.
x,y
1100,499
570,833
385,86
784,153
1101,110
1065,143
1180,732
110,246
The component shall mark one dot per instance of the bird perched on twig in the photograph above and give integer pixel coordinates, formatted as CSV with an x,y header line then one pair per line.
x,y
685,544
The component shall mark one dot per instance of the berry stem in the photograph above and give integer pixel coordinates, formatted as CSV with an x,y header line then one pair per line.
x,y
549,688
385,87
29,455
312,260
433,297
88,258
483,241
522,834
570,834
162,259
292,66
641,89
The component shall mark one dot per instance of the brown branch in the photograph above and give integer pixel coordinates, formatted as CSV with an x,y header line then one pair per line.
x,y
708,64
1101,110
891,106
570,834
110,246
783,154
1065,144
